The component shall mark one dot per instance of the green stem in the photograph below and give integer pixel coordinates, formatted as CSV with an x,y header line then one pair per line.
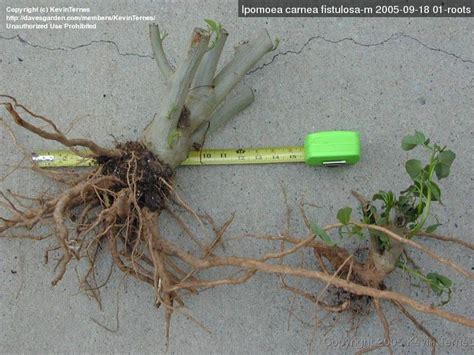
x,y
413,272
426,210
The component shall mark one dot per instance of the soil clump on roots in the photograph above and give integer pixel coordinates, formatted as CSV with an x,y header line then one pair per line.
x,y
150,174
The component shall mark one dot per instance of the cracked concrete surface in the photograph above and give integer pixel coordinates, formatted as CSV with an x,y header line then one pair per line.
x,y
394,36
68,48
382,77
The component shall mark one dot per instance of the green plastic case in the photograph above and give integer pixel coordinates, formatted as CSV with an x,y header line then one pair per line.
x,y
332,148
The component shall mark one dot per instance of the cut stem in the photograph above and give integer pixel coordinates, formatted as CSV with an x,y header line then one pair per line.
x,y
163,130
158,52
207,68
234,71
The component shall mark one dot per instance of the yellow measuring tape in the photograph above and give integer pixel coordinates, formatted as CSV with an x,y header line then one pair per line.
x,y
331,148
66,158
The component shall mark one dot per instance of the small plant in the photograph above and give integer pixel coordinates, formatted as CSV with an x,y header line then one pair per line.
x,y
407,213
390,221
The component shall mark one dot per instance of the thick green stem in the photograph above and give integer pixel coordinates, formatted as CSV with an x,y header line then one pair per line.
x,y
228,78
224,113
160,135
426,210
186,109
207,68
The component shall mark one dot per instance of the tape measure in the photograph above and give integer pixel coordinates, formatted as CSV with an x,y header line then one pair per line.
x,y
332,148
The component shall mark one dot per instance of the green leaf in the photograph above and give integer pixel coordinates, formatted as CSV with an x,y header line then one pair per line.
x,y
442,171
445,160
445,281
344,215
408,143
439,283
411,141
446,157
432,228
387,197
435,191
420,137
213,25
321,233
381,195
413,168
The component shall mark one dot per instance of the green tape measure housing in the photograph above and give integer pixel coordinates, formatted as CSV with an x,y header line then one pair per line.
x,y
332,148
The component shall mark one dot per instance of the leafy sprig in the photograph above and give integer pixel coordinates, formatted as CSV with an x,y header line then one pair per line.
x,y
410,210
216,28
438,283
424,189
